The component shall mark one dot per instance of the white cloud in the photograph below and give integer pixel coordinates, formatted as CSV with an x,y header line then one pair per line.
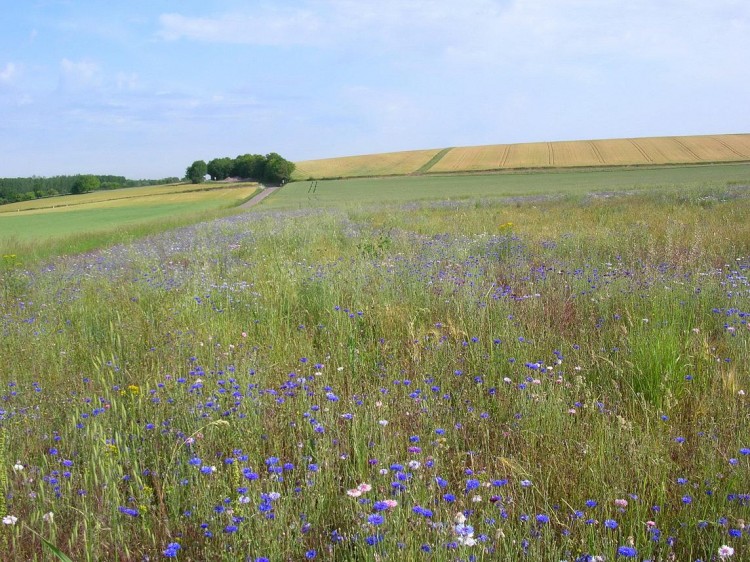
x,y
268,27
80,75
127,81
483,31
7,73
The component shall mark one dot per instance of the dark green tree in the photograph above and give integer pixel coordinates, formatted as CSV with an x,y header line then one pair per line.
x,y
220,168
249,166
85,184
277,170
196,172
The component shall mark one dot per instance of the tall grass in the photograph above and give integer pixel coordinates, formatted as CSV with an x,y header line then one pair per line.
x,y
567,374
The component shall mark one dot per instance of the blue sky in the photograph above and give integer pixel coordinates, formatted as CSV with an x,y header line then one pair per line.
x,y
143,88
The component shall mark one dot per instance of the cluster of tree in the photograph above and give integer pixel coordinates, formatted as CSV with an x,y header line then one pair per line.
x,y
13,190
269,169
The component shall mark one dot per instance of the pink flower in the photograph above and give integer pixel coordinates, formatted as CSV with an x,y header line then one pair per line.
x,y
621,503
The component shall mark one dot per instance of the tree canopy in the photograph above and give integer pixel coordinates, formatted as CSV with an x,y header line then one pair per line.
x,y
271,168
196,172
85,184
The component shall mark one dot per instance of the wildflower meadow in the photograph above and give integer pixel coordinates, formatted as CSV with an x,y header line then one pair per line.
x,y
486,379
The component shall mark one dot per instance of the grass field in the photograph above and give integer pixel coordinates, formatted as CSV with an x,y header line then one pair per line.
x,y
413,368
81,222
566,154
367,191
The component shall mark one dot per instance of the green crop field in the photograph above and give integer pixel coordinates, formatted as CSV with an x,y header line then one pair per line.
x,y
367,191
81,222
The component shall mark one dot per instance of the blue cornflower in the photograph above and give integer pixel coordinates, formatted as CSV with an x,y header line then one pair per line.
x,y
128,511
423,511
471,484
627,552
442,482
745,451
542,519
591,503
375,519
310,554
171,550
610,524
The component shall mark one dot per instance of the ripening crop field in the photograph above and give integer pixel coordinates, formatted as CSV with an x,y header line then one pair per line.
x,y
469,379
391,163
561,154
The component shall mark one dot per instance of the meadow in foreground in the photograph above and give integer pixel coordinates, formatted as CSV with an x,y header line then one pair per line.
x,y
535,380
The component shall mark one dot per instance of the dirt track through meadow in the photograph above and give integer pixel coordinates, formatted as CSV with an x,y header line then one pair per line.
x,y
258,198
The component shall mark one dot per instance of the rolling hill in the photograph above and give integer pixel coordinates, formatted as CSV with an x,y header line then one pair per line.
x,y
649,151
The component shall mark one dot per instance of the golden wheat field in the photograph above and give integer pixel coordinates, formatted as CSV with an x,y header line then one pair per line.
x,y
389,163
562,154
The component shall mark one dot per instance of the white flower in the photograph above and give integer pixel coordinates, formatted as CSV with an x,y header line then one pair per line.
x,y
414,465
724,551
10,520
383,422
18,467
49,517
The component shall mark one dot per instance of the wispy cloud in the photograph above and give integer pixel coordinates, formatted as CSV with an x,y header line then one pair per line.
x,y
76,76
8,72
278,26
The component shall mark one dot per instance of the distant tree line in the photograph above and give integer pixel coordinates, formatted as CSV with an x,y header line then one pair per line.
x,y
13,190
269,169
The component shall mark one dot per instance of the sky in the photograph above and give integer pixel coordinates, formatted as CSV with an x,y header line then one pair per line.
x,y
145,87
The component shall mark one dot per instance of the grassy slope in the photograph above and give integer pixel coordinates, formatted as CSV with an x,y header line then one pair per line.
x,y
61,216
74,224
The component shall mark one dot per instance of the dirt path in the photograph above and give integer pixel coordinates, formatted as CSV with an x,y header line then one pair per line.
x,y
265,192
